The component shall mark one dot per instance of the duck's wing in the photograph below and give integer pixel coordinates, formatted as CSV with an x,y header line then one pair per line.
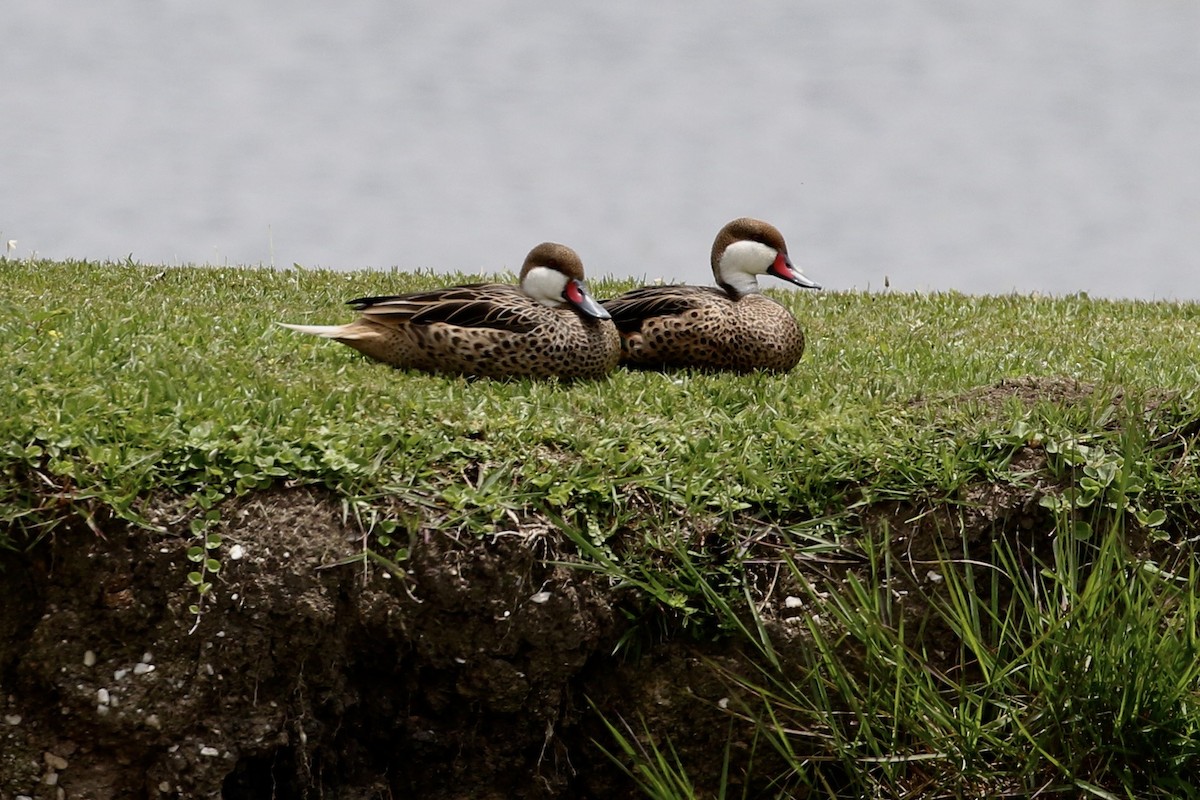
x,y
632,308
476,305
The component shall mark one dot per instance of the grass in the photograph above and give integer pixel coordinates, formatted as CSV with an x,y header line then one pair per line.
x,y
121,383
1066,679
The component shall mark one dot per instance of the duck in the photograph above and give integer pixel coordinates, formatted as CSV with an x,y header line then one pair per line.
x,y
731,327
547,326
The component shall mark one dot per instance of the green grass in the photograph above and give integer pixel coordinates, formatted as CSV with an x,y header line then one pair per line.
x,y
1083,680
120,383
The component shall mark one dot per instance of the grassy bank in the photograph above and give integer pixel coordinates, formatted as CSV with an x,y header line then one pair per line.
x,y
123,382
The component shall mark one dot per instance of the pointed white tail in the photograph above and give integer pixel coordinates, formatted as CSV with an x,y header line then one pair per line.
x,y
328,331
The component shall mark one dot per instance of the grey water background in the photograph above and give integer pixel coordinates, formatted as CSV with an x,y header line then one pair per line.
x,y
973,145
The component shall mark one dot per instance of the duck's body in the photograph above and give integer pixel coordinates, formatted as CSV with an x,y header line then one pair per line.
x,y
731,327
698,326
548,326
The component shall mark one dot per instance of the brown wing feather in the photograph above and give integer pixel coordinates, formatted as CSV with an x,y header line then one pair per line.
x,y
431,296
632,308
496,306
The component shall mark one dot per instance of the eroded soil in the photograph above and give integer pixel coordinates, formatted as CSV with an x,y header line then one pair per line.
x,y
468,676
471,674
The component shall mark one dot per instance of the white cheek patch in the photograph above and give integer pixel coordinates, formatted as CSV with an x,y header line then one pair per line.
x,y
742,262
545,285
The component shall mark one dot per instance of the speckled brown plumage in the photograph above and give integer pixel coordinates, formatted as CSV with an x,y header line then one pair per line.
x,y
734,327
490,330
694,326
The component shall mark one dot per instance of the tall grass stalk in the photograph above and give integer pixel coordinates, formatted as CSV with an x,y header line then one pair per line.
x,y
1080,672
656,768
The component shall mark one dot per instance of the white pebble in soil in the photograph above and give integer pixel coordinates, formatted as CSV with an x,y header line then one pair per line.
x,y
89,658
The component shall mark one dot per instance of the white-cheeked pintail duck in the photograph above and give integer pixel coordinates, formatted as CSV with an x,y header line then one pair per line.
x,y
547,326
732,326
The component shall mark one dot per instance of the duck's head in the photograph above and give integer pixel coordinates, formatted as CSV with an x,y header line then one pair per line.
x,y
747,248
553,276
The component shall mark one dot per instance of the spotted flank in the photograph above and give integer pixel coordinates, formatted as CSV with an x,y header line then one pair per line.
x,y
547,326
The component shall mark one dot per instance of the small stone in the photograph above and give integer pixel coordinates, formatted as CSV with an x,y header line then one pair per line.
x,y
791,601
164,787
152,721
119,675
211,752
147,658
236,552
102,710
143,668
540,597
50,778
934,577
55,762
102,696
89,659
723,703
12,719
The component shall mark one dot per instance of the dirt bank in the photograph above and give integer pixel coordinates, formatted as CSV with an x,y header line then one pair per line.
x,y
471,674
469,677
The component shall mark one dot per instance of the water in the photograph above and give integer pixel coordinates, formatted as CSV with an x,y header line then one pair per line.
x,y
970,145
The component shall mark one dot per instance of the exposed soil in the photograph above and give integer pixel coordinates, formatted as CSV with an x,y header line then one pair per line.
x,y
468,677
311,673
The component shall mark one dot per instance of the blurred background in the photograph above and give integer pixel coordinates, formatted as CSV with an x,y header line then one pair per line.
x,y
972,145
